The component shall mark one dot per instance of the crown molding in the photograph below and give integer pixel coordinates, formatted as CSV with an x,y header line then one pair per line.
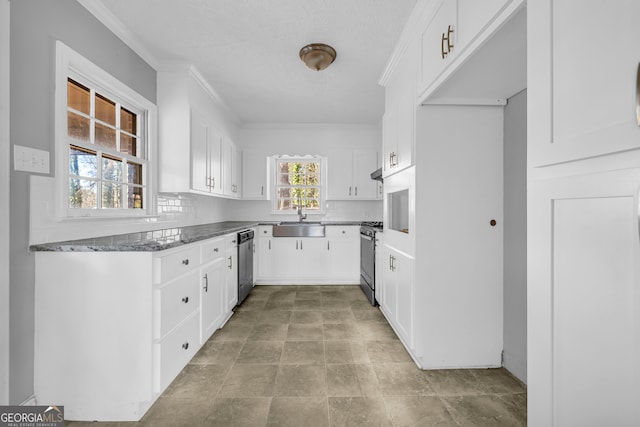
x,y
213,94
104,15
422,13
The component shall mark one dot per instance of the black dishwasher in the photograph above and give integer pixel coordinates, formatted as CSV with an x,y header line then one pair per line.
x,y
245,264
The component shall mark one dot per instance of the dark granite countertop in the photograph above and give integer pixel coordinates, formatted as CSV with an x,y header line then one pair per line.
x,y
157,240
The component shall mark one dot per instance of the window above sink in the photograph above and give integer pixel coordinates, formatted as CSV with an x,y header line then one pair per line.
x,y
300,182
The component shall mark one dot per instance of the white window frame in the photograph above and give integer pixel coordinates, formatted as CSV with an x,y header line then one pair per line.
x,y
70,64
323,183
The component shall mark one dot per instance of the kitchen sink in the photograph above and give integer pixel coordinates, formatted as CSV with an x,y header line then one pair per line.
x,y
298,229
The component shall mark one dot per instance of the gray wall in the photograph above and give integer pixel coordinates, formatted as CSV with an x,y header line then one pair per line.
x,y
515,235
35,26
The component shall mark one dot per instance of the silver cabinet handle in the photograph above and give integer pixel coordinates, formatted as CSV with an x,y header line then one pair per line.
x,y
349,191
262,190
296,245
356,191
328,247
300,244
213,182
230,263
269,244
206,283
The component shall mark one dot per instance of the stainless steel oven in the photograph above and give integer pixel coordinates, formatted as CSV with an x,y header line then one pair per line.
x,y
368,259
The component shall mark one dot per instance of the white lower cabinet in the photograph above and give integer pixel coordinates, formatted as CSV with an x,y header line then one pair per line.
x,y
333,259
397,292
108,344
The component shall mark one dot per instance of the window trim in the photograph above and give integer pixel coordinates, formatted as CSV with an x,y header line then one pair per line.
x,y
323,183
70,64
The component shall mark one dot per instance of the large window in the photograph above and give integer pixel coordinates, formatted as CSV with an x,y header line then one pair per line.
x,y
103,141
299,183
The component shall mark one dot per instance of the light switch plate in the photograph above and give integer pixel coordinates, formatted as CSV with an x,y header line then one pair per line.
x,y
30,160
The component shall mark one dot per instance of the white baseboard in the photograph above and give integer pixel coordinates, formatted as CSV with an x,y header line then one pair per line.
x,y
31,401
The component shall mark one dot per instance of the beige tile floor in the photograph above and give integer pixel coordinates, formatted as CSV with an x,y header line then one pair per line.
x,y
322,356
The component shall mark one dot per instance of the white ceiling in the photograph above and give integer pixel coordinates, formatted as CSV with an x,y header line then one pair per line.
x,y
248,52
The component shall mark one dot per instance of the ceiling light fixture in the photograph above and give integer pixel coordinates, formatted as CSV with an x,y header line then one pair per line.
x,y
318,56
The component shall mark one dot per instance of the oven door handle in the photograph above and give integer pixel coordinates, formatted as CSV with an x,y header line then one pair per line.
x,y
363,236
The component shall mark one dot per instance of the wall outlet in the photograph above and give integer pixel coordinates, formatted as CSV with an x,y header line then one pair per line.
x,y
30,160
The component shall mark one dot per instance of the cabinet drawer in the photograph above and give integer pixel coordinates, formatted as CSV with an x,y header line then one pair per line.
x,y
265,231
177,349
171,266
212,250
175,302
231,240
341,231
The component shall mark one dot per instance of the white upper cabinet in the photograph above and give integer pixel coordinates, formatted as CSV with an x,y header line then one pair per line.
x,y
398,122
254,175
206,164
453,31
585,98
349,174
192,135
439,42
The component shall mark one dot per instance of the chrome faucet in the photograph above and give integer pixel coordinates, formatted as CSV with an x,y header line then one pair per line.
x,y
300,215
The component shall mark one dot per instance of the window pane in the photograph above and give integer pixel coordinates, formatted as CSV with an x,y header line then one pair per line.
x,y
105,110
111,195
128,144
128,121
135,197
105,136
134,173
78,97
82,194
82,162
78,127
111,169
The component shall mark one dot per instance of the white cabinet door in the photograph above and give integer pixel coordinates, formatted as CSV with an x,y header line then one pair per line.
x,y
379,282
254,175
285,257
237,172
312,258
365,162
389,288
583,82
405,132
265,258
438,43
227,167
211,297
215,160
340,175
199,153
343,253
349,174
403,272
231,280
389,138
584,265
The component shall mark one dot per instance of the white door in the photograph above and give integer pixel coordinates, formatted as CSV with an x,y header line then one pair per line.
x,y
227,167
231,280
215,161
403,271
254,175
266,258
285,257
343,258
312,258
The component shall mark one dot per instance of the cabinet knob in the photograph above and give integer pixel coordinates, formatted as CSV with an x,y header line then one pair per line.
x,y
185,261
493,222
185,300
215,249
185,345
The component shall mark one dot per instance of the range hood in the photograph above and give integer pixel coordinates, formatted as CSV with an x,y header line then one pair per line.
x,y
377,175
